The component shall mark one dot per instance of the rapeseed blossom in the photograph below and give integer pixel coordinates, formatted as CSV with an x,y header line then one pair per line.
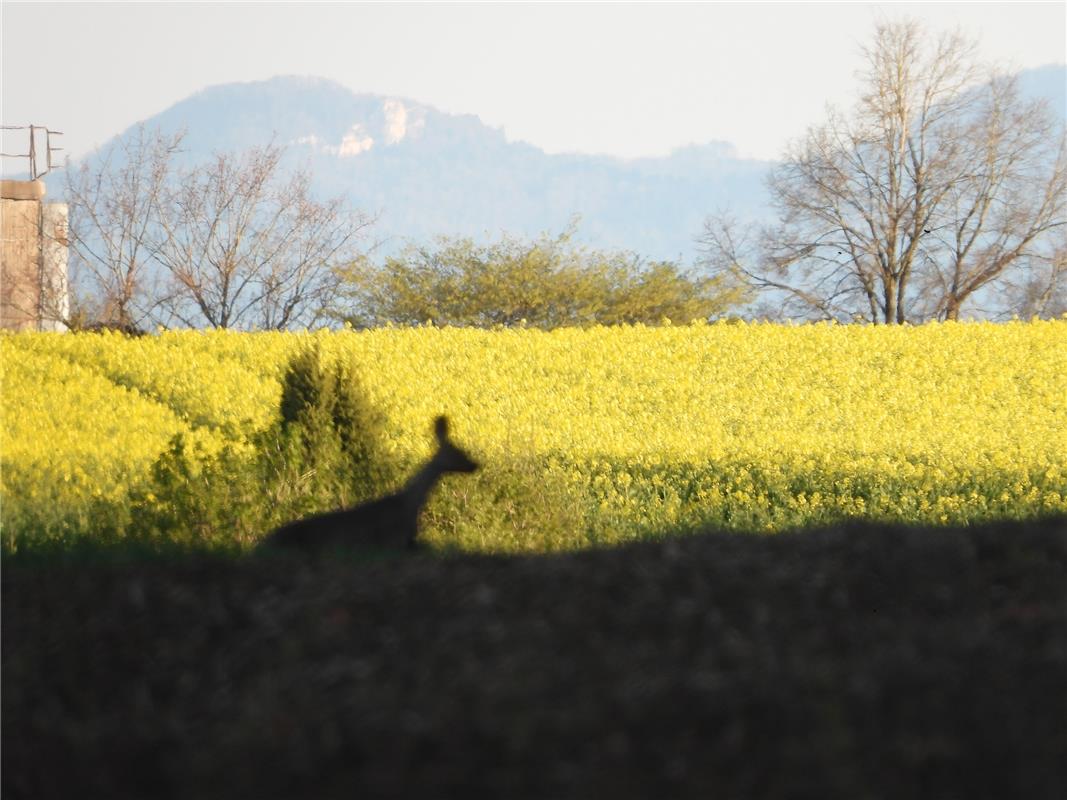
x,y
751,425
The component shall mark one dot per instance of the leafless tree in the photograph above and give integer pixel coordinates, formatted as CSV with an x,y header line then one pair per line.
x,y
1041,290
940,182
246,246
113,200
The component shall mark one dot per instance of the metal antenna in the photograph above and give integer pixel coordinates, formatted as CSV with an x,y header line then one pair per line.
x,y
49,149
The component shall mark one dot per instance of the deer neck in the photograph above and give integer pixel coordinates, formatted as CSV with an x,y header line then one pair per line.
x,y
418,487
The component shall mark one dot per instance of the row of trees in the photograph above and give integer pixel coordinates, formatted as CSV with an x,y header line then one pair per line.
x,y
235,243
943,190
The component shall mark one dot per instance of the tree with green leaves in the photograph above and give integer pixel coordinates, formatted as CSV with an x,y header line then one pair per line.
x,y
547,282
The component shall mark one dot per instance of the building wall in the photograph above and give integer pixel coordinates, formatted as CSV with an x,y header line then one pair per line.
x,y
54,267
33,258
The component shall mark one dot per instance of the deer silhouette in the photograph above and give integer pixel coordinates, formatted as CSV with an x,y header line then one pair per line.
x,y
388,523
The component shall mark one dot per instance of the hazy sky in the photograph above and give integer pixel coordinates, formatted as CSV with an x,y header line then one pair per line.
x,y
623,79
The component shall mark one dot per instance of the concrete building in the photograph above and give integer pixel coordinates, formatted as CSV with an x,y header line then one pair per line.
x,y
34,292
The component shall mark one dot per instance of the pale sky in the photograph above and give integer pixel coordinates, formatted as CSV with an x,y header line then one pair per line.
x,y
625,79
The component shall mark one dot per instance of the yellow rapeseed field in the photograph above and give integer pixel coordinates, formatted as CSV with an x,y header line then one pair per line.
x,y
756,426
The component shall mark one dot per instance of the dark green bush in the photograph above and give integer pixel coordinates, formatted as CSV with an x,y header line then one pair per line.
x,y
323,453
336,432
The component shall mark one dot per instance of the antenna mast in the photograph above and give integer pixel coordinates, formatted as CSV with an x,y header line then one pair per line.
x,y
48,149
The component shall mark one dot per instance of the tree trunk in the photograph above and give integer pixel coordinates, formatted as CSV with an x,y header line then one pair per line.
x,y
890,302
902,283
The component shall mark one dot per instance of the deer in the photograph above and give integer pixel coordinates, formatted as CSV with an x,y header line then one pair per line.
x,y
388,523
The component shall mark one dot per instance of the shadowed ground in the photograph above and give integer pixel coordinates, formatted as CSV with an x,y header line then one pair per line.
x,y
860,662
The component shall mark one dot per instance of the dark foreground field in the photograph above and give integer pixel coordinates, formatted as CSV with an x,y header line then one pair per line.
x,y
852,663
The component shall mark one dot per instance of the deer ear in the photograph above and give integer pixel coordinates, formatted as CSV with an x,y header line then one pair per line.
x,y
440,428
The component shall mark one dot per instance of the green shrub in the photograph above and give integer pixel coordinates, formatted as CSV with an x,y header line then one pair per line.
x,y
323,453
330,431
545,283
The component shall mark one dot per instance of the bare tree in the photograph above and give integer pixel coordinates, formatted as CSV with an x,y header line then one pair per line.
x,y
1041,290
935,186
246,247
1007,203
113,200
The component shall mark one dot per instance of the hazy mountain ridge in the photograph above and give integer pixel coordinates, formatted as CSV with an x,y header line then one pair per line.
x,y
425,172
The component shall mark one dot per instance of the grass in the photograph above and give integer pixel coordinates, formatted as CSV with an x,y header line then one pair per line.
x,y
859,661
